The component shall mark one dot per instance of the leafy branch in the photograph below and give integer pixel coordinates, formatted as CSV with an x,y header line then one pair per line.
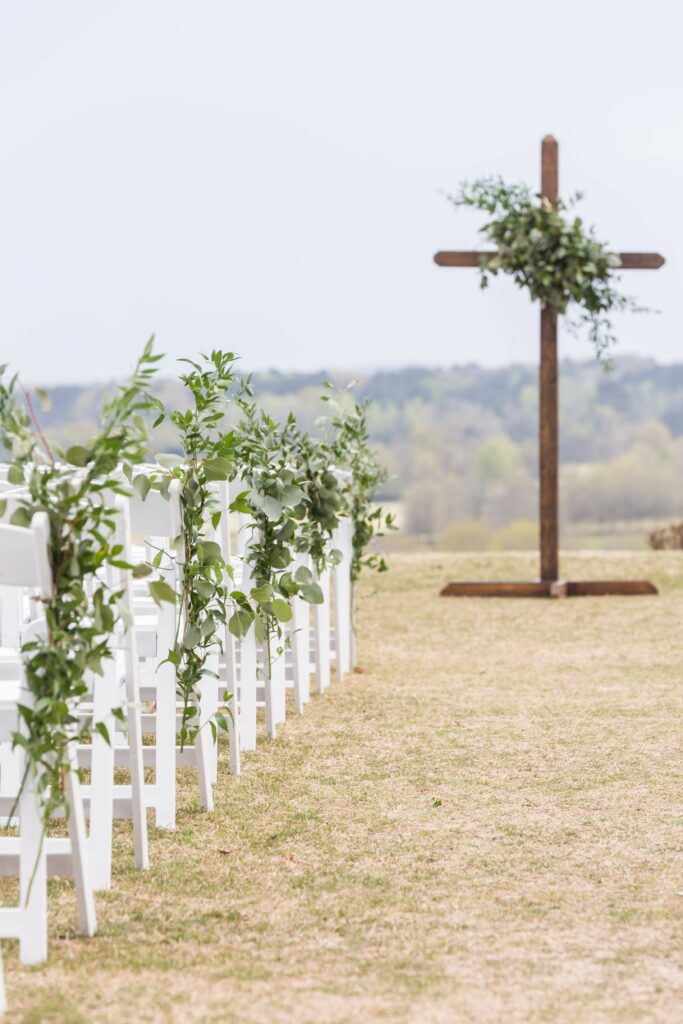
x,y
207,457
76,489
553,256
350,446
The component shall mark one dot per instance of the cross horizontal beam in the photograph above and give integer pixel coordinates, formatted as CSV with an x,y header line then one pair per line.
x,y
629,260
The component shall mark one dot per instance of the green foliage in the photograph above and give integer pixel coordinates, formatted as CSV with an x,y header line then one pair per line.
x,y
294,496
321,487
276,502
365,476
556,258
76,489
208,456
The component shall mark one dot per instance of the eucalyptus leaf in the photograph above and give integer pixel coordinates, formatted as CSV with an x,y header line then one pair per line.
x,y
281,610
160,591
77,455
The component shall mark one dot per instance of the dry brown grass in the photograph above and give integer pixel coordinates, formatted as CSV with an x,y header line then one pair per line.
x,y
483,826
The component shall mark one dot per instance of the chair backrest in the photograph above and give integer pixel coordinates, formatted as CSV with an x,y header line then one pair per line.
x,y
24,555
156,516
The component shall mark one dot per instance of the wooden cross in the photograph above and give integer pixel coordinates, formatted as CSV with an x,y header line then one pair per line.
x,y
549,585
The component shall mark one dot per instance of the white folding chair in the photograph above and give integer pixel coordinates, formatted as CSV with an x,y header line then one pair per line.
x,y
115,686
24,563
157,521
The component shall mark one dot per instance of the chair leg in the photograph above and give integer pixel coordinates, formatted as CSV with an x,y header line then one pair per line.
x,y
79,854
234,731
279,683
209,707
203,758
102,782
232,703
248,691
321,624
300,660
137,772
342,600
165,761
32,877
271,730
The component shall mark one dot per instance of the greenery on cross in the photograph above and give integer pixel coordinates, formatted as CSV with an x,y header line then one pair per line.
x,y
554,257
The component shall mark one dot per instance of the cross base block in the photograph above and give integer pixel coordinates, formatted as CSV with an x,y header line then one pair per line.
x,y
551,588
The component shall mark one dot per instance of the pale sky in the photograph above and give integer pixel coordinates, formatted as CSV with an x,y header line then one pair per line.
x,y
265,176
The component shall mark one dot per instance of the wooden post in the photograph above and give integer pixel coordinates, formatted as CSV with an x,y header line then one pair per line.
x,y
548,400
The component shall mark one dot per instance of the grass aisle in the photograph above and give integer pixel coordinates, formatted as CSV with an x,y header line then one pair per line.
x,y
484,825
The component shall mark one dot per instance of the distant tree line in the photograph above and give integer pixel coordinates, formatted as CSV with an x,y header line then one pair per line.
x,y
461,442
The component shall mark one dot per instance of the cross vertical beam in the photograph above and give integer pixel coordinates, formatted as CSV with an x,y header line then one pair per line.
x,y
548,428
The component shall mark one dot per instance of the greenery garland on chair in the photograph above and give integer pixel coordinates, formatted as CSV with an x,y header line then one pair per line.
x,y
294,498
556,258
275,501
351,450
207,456
75,489
319,511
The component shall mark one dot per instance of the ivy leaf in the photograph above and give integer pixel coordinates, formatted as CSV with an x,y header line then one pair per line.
x,y
142,485
280,557
20,517
312,593
281,610
208,627
270,507
204,587
217,468
140,570
263,593
15,474
292,495
210,552
259,630
240,504
77,455
191,637
240,622
160,591
222,721
101,728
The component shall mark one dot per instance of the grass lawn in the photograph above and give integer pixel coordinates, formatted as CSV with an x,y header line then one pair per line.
x,y
484,825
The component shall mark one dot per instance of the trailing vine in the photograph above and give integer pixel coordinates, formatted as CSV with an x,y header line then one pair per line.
x,y
350,446
555,257
75,489
294,497
313,460
275,501
207,456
